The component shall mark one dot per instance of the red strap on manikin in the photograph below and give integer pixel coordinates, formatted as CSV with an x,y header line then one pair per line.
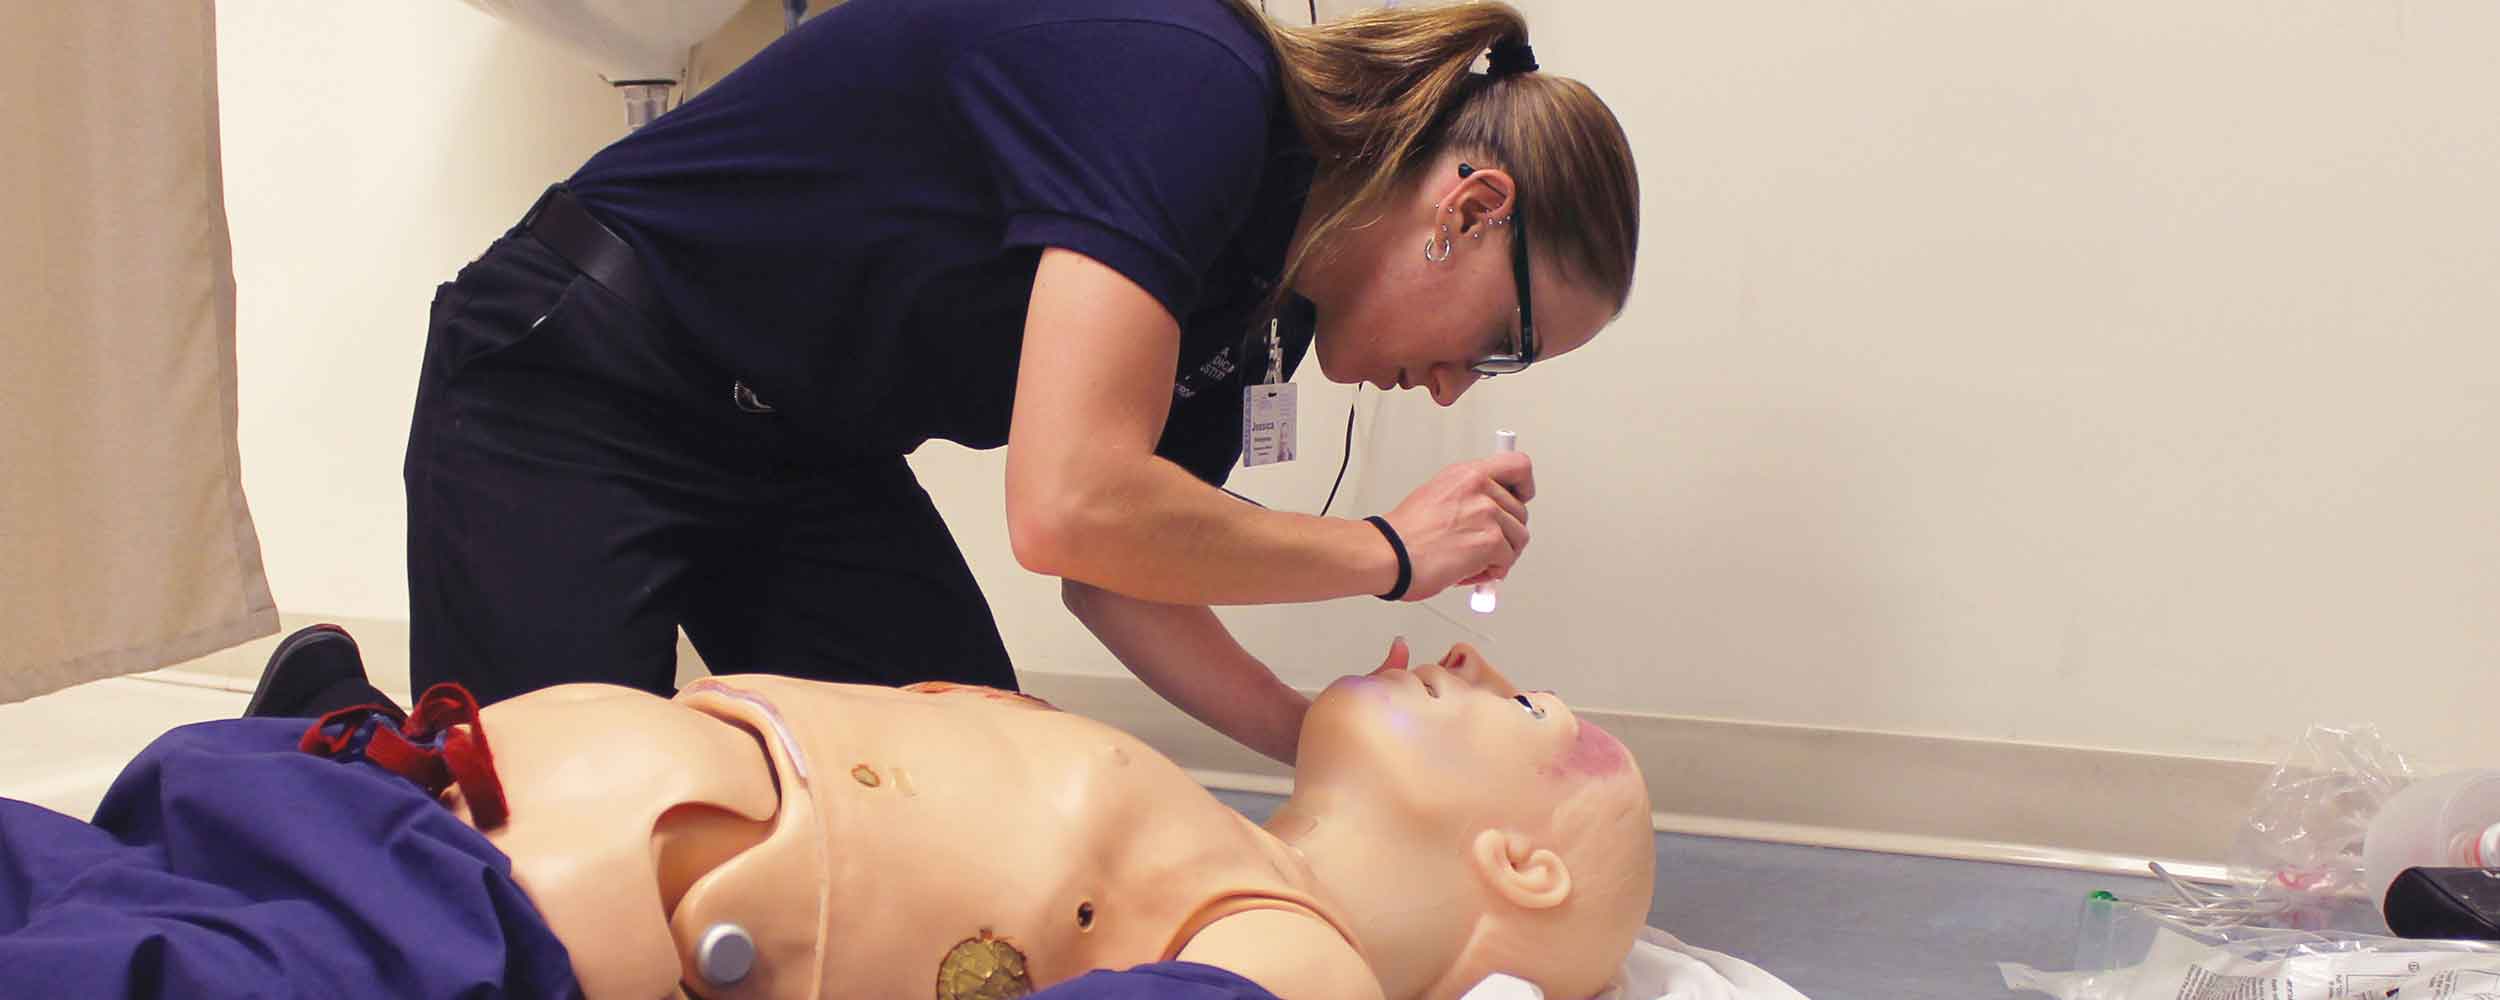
x,y
442,744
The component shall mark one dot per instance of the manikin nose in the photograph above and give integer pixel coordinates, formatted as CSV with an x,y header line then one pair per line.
x,y
1469,665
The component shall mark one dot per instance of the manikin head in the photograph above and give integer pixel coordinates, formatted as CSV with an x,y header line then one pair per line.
x,y
1471,828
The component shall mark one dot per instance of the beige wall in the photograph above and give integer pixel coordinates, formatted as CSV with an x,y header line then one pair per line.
x,y
2115,376
371,150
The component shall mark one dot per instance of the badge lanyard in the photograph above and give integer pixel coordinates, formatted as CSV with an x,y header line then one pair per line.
x,y
1267,433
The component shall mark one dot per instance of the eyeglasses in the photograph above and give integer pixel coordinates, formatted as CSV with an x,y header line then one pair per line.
x,y
1525,347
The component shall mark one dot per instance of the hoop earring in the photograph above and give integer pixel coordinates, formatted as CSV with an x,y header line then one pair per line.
x,y
1444,244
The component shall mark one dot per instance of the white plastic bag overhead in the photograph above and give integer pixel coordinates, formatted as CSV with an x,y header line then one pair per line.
x,y
623,40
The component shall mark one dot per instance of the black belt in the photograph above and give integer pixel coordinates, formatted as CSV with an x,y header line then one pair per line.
x,y
560,222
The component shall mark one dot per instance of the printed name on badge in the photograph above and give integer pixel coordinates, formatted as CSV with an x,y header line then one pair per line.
x,y
1267,436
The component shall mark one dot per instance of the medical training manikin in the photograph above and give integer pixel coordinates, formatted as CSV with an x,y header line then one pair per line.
x,y
761,837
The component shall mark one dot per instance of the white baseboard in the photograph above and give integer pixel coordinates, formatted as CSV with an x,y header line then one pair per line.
x,y
2066,807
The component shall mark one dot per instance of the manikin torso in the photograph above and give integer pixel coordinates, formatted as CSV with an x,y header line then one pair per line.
x,y
872,842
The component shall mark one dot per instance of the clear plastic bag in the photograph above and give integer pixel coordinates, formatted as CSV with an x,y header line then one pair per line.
x,y
2295,921
2131,952
2296,859
2299,850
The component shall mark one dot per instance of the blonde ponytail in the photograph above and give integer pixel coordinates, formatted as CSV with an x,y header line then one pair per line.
x,y
1365,91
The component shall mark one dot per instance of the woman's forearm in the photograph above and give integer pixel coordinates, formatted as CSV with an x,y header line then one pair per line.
x,y
1185,654
1146,528
1088,499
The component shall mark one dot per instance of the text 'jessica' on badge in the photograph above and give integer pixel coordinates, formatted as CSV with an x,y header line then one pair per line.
x,y
1267,424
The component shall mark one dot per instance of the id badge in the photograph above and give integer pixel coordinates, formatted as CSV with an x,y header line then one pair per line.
x,y
1267,424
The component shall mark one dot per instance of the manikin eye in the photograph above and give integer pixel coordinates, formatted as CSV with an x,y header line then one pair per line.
x,y
1533,711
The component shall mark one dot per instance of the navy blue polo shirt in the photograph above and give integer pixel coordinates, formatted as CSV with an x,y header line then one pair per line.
x,y
850,222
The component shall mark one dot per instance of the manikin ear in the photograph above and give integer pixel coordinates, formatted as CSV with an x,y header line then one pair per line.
x,y
1521,873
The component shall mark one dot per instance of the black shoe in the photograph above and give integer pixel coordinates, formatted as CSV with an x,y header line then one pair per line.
x,y
313,672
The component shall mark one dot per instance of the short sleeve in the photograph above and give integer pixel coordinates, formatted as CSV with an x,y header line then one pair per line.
x,y
1138,144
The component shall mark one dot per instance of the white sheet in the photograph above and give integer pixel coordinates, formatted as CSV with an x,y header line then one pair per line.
x,y
1663,968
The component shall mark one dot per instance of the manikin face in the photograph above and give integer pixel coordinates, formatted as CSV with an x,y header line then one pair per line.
x,y
1456,741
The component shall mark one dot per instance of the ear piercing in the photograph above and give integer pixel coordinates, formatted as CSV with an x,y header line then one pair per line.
x,y
1442,242
1437,247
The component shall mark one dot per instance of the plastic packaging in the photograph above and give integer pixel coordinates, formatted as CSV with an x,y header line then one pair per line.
x,y
2450,821
2300,849
2332,825
2127,952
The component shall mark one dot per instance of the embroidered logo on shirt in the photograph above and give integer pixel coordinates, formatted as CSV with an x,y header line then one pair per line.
x,y
1216,370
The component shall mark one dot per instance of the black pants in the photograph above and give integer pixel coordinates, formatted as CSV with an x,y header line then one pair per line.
x,y
580,484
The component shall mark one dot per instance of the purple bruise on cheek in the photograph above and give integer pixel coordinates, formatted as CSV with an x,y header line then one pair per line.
x,y
1402,722
1596,752
1384,702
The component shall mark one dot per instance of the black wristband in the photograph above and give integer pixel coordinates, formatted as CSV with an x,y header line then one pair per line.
x,y
1406,567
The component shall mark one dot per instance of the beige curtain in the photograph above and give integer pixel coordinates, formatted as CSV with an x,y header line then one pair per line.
x,y
125,544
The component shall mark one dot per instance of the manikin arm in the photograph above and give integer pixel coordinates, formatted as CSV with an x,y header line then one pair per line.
x,y
1186,655
1293,955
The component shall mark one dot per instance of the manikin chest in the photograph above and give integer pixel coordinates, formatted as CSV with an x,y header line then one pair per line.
x,y
871,842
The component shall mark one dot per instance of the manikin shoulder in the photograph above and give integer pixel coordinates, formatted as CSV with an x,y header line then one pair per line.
x,y
1296,956
989,694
